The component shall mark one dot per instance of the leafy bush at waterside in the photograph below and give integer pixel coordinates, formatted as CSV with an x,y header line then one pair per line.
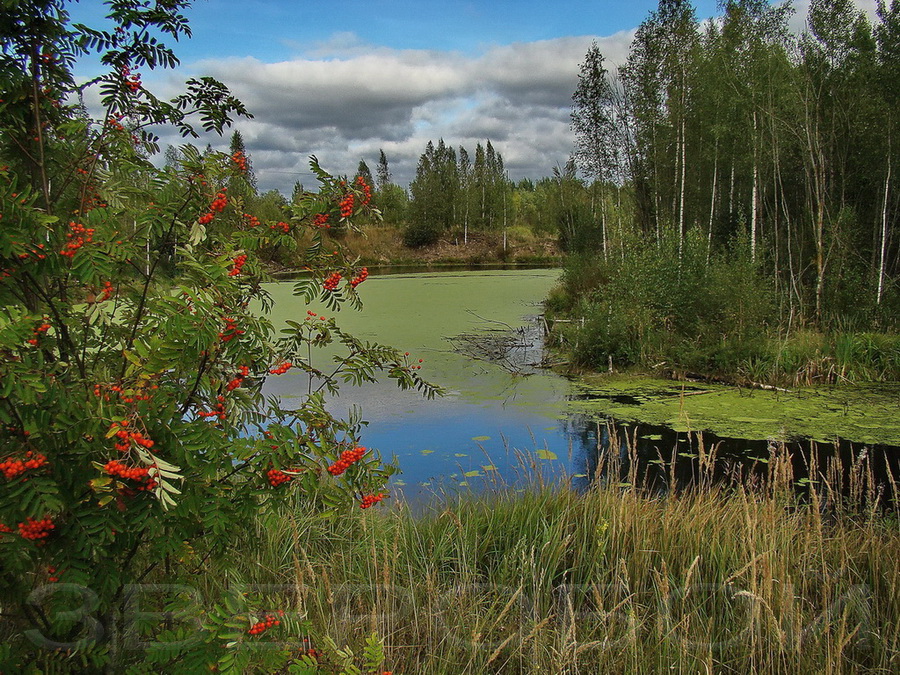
x,y
710,312
647,306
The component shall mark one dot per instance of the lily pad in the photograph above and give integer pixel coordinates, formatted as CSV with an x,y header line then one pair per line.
x,y
543,453
488,467
481,438
472,474
460,454
426,452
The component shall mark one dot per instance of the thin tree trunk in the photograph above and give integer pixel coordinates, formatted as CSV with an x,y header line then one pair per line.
x,y
882,264
681,197
603,228
712,201
754,197
731,192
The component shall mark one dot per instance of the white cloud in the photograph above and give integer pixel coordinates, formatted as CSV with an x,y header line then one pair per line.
x,y
345,101
801,9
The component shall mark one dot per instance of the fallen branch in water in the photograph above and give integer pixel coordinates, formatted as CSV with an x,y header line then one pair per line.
x,y
770,387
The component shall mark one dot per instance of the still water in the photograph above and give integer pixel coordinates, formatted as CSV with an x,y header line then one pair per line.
x,y
497,415
504,420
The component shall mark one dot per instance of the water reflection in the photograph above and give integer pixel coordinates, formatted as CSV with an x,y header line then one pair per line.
x,y
658,460
506,421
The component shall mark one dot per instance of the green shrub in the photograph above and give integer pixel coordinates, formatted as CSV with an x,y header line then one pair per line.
x,y
417,236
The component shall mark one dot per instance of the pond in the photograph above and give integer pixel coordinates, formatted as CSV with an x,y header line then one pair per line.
x,y
505,420
491,411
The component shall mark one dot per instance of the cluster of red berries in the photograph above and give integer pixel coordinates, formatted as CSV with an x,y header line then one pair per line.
x,y
126,437
5,529
252,220
78,236
136,473
92,200
38,332
113,123
231,330
347,206
218,411
367,190
348,457
217,205
359,278
280,225
36,529
265,624
371,500
282,369
237,381
133,82
320,220
277,477
118,389
54,577
36,252
107,292
238,265
314,654
311,316
240,160
331,283
12,468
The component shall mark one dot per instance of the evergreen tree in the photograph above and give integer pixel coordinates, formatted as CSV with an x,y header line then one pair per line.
x,y
383,172
172,157
464,171
297,192
362,171
239,155
593,120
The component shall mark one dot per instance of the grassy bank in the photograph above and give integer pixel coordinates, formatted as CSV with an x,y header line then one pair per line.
x,y
745,579
383,245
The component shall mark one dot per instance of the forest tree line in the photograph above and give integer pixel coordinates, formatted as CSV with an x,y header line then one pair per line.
x,y
733,130
744,197
739,127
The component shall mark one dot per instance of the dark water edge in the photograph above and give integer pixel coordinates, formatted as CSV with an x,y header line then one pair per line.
x,y
420,268
659,460
501,429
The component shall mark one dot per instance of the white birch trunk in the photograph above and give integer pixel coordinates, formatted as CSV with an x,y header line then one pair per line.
x,y
882,263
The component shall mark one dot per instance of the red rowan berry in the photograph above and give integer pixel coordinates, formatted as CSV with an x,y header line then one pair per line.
x,y
359,278
331,283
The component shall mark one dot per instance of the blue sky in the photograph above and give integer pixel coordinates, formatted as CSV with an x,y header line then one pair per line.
x,y
344,80
278,29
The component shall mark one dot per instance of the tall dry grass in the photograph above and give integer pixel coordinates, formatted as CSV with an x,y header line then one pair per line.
x,y
745,578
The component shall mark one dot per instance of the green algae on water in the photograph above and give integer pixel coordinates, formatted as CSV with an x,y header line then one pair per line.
x,y
859,413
